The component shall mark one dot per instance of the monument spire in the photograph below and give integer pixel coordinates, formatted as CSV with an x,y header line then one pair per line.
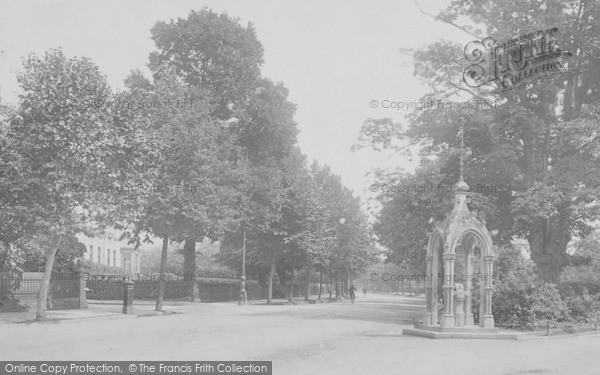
x,y
462,150
461,186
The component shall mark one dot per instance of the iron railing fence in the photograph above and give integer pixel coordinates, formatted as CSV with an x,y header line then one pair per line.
x,y
27,288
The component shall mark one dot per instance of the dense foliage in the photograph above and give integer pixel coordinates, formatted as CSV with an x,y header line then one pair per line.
x,y
537,145
203,150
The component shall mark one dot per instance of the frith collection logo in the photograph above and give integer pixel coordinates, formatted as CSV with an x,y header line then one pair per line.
x,y
516,62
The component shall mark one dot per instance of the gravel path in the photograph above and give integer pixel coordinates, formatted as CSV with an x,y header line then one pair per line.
x,y
329,338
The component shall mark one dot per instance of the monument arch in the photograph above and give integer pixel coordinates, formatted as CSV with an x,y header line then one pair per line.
x,y
460,240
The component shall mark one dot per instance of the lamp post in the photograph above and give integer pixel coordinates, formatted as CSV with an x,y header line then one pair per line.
x,y
244,253
342,222
243,299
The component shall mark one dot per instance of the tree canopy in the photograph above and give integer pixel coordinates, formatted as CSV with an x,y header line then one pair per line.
x,y
203,150
537,145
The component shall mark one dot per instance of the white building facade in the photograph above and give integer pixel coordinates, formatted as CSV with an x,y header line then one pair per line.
x,y
109,251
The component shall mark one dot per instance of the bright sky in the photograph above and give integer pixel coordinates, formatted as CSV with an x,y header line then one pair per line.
x,y
335,57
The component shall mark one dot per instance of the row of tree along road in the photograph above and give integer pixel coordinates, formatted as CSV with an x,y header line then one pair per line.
x,y
236,146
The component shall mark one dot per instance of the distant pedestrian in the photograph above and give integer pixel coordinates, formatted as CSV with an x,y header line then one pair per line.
x,y
365,292
351,290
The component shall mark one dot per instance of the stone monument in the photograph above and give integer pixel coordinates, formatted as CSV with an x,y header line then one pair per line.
x,y
460,237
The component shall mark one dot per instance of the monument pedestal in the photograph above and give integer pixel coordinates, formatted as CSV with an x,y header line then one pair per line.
x,y
487,321
447,320
459,319
470,320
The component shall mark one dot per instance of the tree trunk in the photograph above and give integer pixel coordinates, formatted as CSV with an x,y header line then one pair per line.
x,y
161,279
291,286
40,314
348,282
189,269
5,256
548,241
307,283
320,284
271,274
330,284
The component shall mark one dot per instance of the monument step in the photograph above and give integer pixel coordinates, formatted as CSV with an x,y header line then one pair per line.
x,y
438,328
485,334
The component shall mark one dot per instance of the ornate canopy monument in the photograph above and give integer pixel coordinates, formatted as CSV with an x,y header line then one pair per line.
x,y
459,257
460,237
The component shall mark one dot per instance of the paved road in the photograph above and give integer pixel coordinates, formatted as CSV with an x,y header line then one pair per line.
x,y
336,338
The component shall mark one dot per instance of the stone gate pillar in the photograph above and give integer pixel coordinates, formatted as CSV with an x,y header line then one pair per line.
x,y
487,320
447,318
82,292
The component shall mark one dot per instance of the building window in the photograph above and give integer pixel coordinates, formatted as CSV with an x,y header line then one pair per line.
x,y
99,255
115,258
91,253
108,257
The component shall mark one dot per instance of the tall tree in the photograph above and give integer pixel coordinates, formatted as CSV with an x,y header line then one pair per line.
x,y
16,207
267,133
216,53
305,219
537,144
213,51
196,181
60,143
352,247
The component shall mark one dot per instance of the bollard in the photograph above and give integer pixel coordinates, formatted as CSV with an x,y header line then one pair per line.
x,y
128,297
243,298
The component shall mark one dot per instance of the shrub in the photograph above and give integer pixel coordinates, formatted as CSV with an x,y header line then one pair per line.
x,y
520,297
514,280
580,280
545,304
582,308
